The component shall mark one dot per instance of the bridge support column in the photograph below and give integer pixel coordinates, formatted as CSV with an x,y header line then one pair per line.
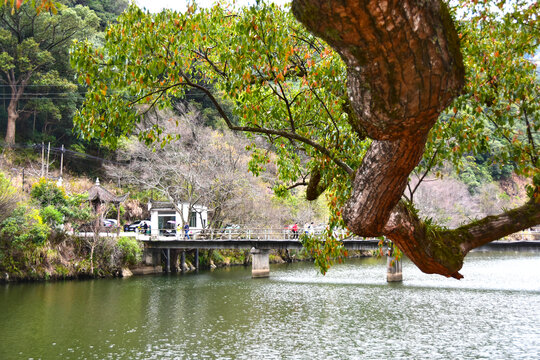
x,y
174,261
393,269
197,259
183,262
168,261
148,257
260,263
156,257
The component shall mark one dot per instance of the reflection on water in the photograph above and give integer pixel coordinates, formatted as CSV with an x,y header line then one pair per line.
x,y
295,314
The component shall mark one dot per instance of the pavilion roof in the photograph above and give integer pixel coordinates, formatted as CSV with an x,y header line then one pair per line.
x,y
99,193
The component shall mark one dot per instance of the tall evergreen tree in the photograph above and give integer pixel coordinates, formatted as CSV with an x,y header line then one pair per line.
x,y
33,58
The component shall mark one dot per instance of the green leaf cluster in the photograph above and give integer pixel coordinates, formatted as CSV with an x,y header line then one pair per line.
x,y
24,228
8,197
325,250
46,193
496,120
131,250
272,72
56,206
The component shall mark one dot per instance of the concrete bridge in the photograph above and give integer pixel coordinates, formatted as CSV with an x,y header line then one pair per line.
x,y
167,244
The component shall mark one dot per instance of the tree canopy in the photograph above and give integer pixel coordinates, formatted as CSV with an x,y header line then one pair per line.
x,y
34,69
353,96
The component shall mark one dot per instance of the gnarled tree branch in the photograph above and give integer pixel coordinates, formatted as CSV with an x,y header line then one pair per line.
x,y
441,251
404,67
314,186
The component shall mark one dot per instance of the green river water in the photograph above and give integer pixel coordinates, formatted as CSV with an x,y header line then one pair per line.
x,y
351,313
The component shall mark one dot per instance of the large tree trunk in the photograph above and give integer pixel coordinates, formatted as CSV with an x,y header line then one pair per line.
x,y
13,108
12,116
404,67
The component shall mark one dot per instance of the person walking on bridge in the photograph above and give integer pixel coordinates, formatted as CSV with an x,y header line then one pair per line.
x,y
186,231
295,231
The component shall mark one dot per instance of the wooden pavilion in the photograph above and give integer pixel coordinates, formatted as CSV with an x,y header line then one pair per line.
x,y
98,197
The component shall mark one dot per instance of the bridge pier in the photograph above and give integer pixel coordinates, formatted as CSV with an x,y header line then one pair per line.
x,y
393,269
260,263
183,267
156,258
148,257
168,261
197,259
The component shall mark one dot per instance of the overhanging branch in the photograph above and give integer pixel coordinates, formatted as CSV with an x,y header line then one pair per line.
x,y
259,130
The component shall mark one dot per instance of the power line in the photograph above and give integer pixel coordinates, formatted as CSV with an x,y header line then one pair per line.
x,y
33,85
38,96
59,150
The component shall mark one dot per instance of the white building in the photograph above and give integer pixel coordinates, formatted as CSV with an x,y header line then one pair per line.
x,y
165,220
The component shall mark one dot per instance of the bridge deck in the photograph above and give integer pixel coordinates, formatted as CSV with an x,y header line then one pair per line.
x,y
245,239
242,238
160,243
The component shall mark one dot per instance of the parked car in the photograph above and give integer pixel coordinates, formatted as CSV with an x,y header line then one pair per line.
x,y
110,222
136,225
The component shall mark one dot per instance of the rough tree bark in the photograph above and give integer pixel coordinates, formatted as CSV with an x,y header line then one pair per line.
x,y
404,67
12,110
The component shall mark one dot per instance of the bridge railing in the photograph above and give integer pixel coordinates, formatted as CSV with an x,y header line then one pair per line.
x,y
237,234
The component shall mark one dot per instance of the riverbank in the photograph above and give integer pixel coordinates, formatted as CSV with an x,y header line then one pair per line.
x,y
68,258
62,257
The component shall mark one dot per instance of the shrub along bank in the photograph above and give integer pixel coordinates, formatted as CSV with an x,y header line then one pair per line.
x,y
34,237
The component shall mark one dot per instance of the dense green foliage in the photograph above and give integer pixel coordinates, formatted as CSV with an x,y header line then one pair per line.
x,y
8,197
287,85
47,193
22,236
34,60
106,10
35,74
24,228
57,207
131,250
497,119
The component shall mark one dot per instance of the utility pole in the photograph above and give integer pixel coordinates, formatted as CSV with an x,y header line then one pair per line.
x,y
48,154
42,157
61,161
